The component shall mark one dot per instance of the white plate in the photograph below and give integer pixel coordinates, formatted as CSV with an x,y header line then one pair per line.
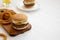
x,y
21,7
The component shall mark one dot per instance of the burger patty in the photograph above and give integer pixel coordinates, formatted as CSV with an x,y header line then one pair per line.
x,y
19,26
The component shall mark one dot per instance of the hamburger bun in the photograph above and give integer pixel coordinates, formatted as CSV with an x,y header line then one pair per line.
x,y
19,19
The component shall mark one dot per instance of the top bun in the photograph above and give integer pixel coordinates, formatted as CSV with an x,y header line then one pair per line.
x,y
29,0
19,17
5,16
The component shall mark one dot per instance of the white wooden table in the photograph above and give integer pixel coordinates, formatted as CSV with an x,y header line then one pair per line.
x,y
45,21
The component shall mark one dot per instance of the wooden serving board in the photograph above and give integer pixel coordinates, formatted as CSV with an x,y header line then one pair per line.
x,y
13,32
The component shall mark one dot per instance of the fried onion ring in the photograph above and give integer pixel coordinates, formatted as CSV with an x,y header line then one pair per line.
x,y
4,36
5,16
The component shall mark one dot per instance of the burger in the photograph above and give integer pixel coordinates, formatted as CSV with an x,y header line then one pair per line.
x,y
19,21
29,3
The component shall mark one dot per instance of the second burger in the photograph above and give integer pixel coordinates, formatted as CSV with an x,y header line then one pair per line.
x,y
19,21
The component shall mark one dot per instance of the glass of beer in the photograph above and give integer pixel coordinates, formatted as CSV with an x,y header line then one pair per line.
x,y
6,2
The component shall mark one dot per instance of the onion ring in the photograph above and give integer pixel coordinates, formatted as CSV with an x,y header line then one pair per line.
x,y
4,36
5,18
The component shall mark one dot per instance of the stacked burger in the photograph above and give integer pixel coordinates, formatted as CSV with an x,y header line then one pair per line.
x,y
19,21
29,3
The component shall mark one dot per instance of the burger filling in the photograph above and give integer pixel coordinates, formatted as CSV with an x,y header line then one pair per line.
x,y
19,23
29,3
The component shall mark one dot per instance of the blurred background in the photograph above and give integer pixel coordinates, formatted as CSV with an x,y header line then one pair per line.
x,y
45,21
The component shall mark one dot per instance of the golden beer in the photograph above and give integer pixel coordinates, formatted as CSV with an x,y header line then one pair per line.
x,y
6,1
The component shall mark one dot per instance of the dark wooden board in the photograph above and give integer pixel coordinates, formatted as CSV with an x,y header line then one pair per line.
x,y
13,32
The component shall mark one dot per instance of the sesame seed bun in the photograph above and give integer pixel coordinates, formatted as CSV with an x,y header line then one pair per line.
x,y
19,18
